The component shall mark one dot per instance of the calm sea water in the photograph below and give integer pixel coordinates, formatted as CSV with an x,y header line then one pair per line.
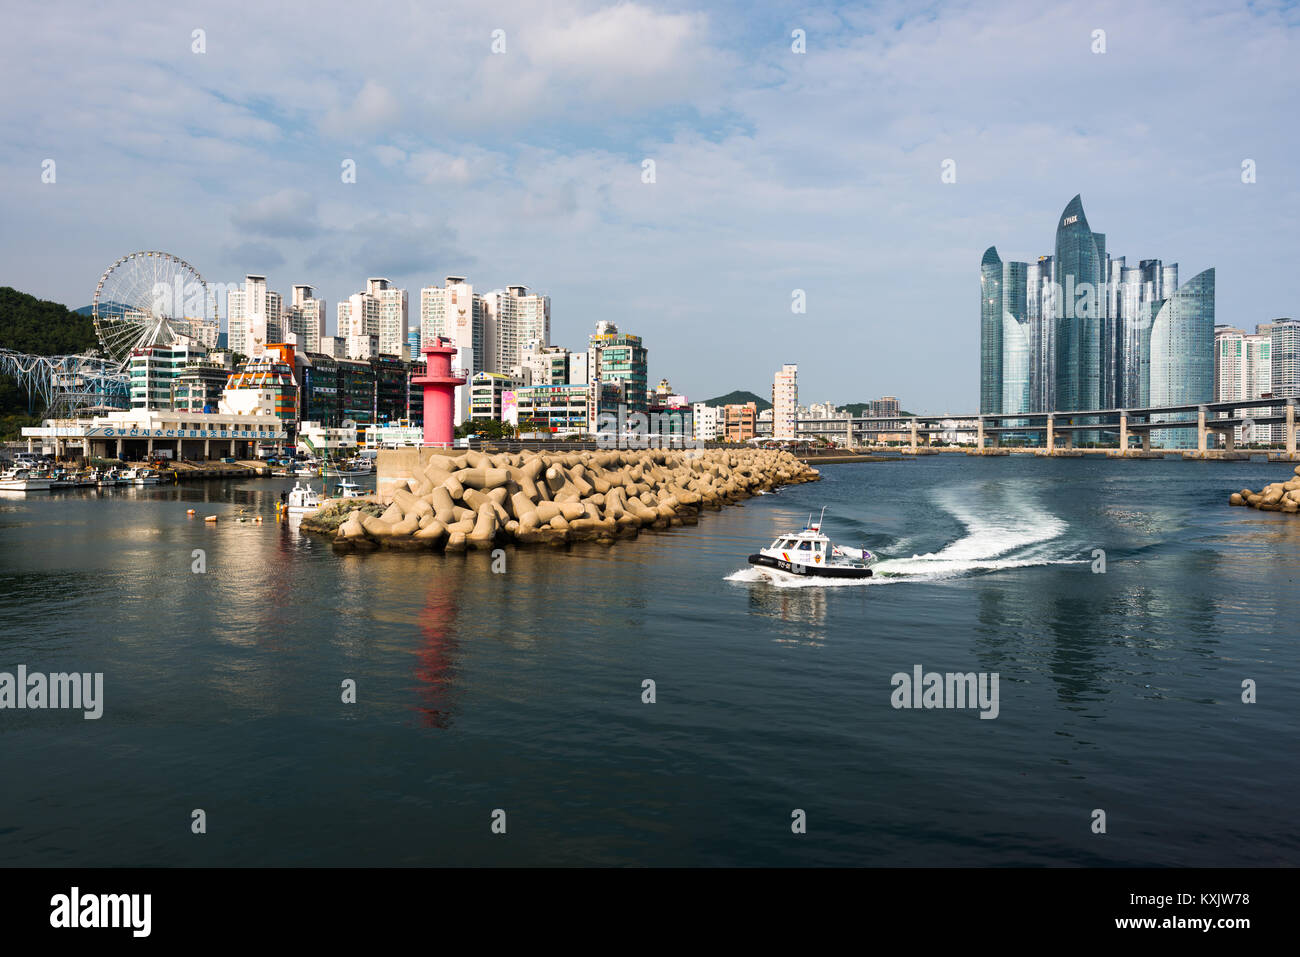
x,y
522,691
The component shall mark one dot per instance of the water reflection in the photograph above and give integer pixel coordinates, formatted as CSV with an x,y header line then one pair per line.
x,y
438,651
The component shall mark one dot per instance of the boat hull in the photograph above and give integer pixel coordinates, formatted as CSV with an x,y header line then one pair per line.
x,y
799,570
26,485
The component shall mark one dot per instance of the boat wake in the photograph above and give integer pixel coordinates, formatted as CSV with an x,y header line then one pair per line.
x,y
1008,531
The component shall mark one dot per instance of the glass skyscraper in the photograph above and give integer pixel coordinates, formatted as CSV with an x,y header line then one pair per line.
x,y
1182,357
1039,303
1017,359
1077,319
1076,332
991,331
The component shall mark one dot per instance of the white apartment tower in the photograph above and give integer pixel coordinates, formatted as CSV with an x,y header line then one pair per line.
x,y
785,402
513,319
1243,369
306,318
255,317
454,312
373,322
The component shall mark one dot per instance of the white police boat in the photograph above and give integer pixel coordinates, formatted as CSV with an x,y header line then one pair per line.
x,y
810,554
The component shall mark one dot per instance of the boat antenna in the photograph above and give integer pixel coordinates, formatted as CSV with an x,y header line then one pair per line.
x,y
821,518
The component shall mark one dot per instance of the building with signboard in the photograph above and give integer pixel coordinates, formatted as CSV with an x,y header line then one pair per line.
x,y
486,391
139,434
622,359
553,408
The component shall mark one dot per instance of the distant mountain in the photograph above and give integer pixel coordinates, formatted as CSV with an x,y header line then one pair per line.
x,y
740,398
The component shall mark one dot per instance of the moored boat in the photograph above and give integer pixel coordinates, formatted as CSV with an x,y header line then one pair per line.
x,y
24,480
347,489
301,499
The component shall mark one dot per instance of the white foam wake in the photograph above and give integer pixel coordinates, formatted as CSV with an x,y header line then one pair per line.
x,y
1010,531
1006,530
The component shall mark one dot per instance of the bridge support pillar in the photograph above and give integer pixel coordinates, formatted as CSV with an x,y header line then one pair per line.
x,y
1200,431
1146,441
1051,435
1230,439
1123,434
118,454
979,433
913,433
848,432
1290,427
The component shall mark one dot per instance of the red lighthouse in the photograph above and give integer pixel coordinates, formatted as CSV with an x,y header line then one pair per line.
x,y
439,392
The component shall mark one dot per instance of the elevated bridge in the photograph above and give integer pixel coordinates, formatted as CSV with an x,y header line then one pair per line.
x,y
1060,429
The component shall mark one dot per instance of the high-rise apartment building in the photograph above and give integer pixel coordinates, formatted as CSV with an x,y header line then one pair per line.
x,y
785,402
254,315
454,312
305,318
1243,369
512,319
381,312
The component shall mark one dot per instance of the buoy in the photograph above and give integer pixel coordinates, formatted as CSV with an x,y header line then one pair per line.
x,y
257,520
189,511
210,518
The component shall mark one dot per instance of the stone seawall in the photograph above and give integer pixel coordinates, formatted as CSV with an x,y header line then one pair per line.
x,y
1274,497
431,498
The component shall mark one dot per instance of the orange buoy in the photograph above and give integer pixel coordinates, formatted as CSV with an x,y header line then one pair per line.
x,y
210,518
189,511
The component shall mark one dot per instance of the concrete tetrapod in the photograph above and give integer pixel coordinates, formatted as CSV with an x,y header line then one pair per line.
x,y
475,500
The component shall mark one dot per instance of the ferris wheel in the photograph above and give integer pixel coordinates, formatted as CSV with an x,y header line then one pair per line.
x,y
149,298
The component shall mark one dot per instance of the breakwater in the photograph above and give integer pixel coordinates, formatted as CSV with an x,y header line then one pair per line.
x,y
434,499
1274,497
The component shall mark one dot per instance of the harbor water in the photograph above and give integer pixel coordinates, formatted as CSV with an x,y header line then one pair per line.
x,y
1123,606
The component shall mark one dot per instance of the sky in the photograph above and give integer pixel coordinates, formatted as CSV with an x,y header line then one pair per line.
x,y
774,170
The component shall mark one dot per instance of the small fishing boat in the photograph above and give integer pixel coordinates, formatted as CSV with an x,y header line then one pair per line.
x,y
347,489
143,476
302,499
810,554
24,480
109,478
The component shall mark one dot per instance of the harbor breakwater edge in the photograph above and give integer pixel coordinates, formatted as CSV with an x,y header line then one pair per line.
x,y
436,499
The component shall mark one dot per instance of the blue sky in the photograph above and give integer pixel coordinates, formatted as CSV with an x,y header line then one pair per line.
x,y
774,171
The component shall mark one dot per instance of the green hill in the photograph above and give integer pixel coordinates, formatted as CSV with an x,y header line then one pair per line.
x,y
42,328
740,398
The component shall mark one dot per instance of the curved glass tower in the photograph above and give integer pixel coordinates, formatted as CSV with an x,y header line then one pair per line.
x,y
1182,357
991,331
1016,352
1078,314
